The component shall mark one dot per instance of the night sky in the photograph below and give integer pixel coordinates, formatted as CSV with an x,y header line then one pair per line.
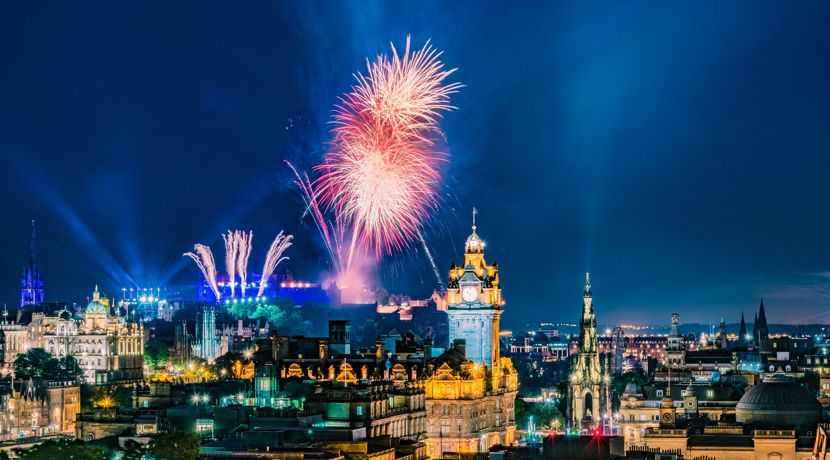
x,y
677,150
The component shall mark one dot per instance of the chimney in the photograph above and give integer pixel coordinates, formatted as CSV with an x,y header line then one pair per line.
x,y
378,351
340,337
428,348
461,346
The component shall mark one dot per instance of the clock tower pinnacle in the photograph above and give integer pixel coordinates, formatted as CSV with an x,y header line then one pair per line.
x,y
474,303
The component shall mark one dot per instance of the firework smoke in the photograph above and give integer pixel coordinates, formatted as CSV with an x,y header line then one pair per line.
x,y
231,253
274,257
243,247
204,259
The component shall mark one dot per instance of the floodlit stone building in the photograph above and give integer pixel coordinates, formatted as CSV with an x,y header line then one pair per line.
x,y
470,389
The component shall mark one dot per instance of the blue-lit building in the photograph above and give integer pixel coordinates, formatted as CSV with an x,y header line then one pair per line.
x,y
31,289
278,286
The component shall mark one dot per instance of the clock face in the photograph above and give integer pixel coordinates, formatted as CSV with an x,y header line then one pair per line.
x,y
469,293
690,404
667,417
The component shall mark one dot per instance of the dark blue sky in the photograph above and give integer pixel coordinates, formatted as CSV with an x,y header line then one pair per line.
x,y
677,150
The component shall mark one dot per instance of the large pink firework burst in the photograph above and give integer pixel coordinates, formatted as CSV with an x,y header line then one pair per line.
x,y
382,173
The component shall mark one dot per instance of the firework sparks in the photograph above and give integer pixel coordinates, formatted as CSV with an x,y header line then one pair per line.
x,y
382,174
243,247
431,260
231,253
203,257
274,257
332,234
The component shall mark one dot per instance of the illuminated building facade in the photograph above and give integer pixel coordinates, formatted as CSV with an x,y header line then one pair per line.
x,y
206,344
147,304
675,345
775,419
474,304
108,347
588,391
404,305
640,407
38,408
471,389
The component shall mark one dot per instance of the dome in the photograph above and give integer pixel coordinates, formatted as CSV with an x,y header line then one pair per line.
x,y
631,389
96,307
779,401
474,243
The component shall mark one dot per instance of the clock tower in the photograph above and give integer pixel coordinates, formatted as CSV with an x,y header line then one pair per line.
x,y
474,303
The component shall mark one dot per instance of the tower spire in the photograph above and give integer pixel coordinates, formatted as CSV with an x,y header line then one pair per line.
x,y
31,292
587,291
475,211
33,247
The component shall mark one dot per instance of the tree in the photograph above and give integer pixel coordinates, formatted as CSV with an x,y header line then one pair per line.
x,y
225,363
545,414
176,446
65,449
62,368
111,397
133,450
156,354
32,363
38,363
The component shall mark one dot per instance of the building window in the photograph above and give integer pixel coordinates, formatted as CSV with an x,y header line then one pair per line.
x,y
359,410
659,393
445,426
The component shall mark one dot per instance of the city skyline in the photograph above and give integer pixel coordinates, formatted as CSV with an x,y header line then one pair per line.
x,y
685,172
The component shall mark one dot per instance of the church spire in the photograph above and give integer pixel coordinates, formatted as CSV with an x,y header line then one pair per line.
x,y
762,316
587,291
742,330
31,292
33,247
761,328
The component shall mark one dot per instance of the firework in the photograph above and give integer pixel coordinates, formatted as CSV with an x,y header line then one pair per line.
x,y
231,253
431,261
243,247
332,234
274,257
382,172
203,257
